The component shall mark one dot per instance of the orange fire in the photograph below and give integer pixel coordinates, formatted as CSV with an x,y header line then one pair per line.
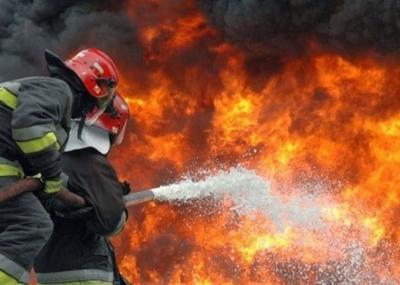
x,y
323,125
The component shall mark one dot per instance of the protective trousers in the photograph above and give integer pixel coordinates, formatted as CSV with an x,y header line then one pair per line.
x,y
85,257
25,228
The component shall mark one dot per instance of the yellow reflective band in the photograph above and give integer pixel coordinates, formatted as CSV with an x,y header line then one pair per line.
x,y
39,144
52,186
6,279
8,98
8,170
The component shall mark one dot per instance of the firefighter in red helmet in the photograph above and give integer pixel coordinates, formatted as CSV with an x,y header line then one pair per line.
x,y
35,115
80,237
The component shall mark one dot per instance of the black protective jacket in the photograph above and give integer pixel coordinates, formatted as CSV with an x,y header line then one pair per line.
x,y
35,116
78,249
34,122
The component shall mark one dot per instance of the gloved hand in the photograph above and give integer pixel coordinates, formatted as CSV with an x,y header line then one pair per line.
x,y
126,187
52,186
47,195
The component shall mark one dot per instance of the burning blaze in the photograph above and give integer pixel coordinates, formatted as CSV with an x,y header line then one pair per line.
x,y
323,128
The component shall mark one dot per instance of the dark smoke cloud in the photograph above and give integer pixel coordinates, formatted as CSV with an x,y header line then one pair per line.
x,y
272,27
282,26
27,28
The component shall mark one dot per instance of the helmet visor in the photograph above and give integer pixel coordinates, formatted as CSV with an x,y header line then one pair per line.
x,y
121,134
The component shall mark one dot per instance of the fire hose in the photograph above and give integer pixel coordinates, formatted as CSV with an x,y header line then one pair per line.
x,y
70,198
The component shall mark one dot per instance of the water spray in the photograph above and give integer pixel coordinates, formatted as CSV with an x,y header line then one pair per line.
x,y
249,193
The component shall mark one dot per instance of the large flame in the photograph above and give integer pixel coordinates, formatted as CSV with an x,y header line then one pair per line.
x,y
322,125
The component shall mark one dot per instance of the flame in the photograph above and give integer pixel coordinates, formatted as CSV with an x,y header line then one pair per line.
x,y
323,125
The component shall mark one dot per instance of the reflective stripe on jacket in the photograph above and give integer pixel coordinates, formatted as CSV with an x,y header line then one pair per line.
x,y
17,272
94,276
10,168
36,113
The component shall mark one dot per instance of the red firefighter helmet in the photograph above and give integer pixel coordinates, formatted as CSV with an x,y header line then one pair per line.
x,y
96,70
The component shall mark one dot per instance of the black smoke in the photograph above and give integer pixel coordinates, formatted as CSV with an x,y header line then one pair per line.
x,y
287,26
266,28
28,27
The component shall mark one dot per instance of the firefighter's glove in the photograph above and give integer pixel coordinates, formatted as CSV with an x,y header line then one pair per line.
x,y
47,195
126,187
52,186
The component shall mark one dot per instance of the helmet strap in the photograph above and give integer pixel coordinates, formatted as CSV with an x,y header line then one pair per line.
x,y
81,125
86,104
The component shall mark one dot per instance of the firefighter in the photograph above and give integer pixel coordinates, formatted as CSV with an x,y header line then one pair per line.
x,y
79,251
35,115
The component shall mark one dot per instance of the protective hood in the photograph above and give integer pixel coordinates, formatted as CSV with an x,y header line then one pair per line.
x,y
57,68
91,136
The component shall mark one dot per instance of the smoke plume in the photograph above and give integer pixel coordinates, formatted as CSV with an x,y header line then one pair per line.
x,y
265,28
278,26
28,27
